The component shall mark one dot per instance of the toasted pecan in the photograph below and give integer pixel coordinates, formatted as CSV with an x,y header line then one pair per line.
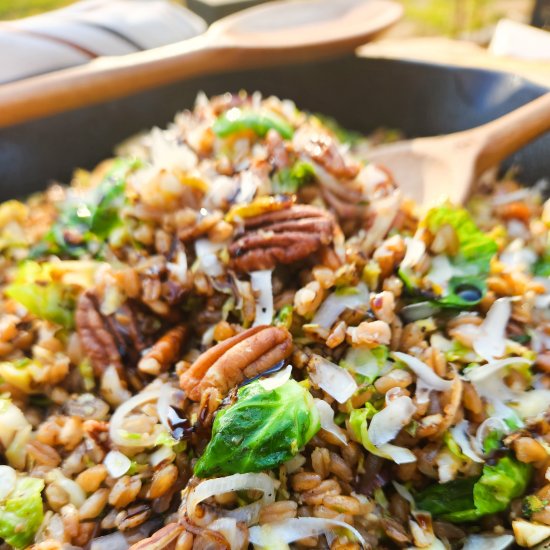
x,y
164,352
281,237
238,358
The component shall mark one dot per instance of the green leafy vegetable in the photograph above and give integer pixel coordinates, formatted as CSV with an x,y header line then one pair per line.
x,y
47,298
289,180
263,429
284,317
542,265
342,134
22,513
465,272
469,499
533,504
474,245
260,122
84,225
365,363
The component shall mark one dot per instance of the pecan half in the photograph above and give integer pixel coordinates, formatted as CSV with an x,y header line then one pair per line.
x,y
164,352
281,237
161,539
116,339
243,356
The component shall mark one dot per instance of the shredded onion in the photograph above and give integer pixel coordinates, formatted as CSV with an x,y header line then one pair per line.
x,y
460,435
326,415
229,529
488,542
293,529
532,403
277,379
405,493
207,257
115,425
76,494
490,424
113,541
236,482
8,478
335,304
427,378
399,455
117,464
477,374
12,420
387,423
179,268
261,285
166,394
490,341
332,379
415,250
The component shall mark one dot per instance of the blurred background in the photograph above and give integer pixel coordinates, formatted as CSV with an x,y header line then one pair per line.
x,y
467,19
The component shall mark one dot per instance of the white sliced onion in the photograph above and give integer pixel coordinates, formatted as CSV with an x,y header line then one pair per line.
x,y
168,153
490,424
162,454
112,389
334,305
207,256
116,432
405,493
236,482
427,379
8,478
293,529
387,423
164,401
490,341
326,415
263,290
530,404
518,256
112,541
399,455
117,464
12,420
460,435
76,494
275,380
415,250
477,374
208,336
295,463
488,542
332,379
230,531
179,268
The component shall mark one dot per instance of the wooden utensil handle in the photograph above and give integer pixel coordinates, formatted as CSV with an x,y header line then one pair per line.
x,y
509,133
111,77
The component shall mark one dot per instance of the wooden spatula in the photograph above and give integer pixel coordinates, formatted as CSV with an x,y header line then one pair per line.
x,y
277,32
429,169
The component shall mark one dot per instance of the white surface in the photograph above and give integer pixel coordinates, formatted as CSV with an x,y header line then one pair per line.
x,y
518,40
37,45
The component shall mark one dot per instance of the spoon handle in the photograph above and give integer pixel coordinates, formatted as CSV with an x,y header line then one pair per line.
x,y
504,136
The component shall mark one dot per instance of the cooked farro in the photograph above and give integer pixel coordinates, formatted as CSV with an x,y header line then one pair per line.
x,y
237,333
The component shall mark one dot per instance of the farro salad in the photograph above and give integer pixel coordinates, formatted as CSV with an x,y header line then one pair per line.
x,y
237,333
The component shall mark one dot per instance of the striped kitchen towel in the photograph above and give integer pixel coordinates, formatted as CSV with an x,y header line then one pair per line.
x,y
89,29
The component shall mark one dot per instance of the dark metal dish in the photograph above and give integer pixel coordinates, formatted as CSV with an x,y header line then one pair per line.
x,y
420,99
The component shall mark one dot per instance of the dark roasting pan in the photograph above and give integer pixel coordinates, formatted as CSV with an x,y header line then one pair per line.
x,y
363,94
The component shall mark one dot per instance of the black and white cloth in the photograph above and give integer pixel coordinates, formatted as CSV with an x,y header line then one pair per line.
x,y
89,29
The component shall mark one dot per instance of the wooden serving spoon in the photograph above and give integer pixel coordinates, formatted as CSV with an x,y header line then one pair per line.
x,y
273,33
429,169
